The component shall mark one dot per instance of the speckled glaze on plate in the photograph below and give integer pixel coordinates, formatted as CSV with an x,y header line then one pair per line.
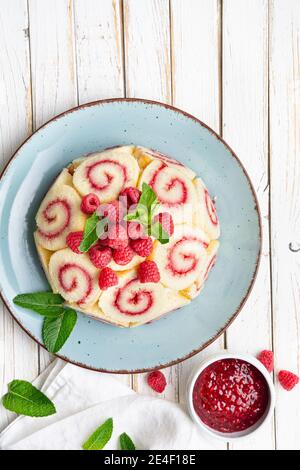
x,y
103,124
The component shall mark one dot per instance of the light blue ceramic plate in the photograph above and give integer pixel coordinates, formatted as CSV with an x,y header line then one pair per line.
x,y
118,122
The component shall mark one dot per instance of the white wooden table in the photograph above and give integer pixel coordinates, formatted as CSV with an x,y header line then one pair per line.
x,y
235,64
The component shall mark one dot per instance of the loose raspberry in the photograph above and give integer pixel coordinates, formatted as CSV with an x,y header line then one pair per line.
x,y
166,221
130,196
73,241
100,256
135,230
117,237
157,381
148,272
287,379
267,359
142,246
123,256
89,203
114,211
107,278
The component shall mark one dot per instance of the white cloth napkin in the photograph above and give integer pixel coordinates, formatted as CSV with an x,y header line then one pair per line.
x,y
84,400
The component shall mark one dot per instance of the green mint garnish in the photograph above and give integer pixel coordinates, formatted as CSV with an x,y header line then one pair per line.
x,y
90,233
57,330
159,233
148,197
44,303
59,320
100,228
100,437
24,399
144,212
126,442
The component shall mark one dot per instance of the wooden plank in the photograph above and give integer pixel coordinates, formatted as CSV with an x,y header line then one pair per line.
x,y
285,207
53,68
245,127
148,75
195,37
99,49
99,56
18,353
147,49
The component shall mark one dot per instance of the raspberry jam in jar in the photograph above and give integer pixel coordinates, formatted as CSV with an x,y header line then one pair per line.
x,y
230,395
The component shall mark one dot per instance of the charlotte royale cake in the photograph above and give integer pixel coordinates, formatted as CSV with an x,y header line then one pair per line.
x,y
127,235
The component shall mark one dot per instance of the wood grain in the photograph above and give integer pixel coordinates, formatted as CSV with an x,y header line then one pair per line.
x,y
285,207
99,49
148,75
245,128
99,57
196,54
18,353
54,88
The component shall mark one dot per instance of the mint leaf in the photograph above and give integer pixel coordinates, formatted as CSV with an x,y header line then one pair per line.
x,y
159,233
148,197
24,399
144,210
131,216
126,442
100,228
90,233
44,303
100,437
57,330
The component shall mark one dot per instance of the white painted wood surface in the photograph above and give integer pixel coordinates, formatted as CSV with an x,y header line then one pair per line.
x,y
235,64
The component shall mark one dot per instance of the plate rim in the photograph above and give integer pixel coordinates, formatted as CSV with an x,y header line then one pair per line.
x,y
256,207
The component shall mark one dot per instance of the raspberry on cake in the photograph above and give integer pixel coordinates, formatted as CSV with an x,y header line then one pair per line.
x,y
107,278
123,256
89,203
142,246
109,204
130,196
100,255
148,272
166,221
74,240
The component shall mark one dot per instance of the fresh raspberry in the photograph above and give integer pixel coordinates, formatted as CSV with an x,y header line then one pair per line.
x,y
267,359
148,272
142,246
131,194
100,256
166,221
117,237
73,241
114,211
135,230
123,256
287,379
107,278
157,381
89,203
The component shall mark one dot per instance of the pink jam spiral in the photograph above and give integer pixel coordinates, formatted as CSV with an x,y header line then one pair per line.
x,y
79,275
50,214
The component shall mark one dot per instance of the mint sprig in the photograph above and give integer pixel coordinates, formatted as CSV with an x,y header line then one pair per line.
x,y
100,437
144,212
24,399
90,236
126,442
159,233
47,304
57,330
59,320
